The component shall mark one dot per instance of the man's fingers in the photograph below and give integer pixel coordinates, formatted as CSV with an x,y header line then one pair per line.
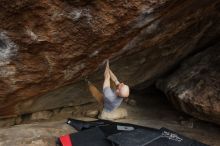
x,y
107,64
107,70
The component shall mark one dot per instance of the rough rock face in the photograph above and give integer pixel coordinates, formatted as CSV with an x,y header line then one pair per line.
x,y
195,86
45,45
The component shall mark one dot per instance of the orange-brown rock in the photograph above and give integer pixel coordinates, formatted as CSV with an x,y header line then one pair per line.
x,y
45,45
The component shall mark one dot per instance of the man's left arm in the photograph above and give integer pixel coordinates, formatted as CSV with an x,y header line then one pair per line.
x,y
107,78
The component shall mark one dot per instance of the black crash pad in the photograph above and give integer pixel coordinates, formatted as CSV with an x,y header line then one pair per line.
x,y
143,137
90,137
107,133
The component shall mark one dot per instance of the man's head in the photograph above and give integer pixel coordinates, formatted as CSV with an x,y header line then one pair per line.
x,y
122,90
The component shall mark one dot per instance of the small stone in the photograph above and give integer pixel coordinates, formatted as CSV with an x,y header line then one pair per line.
x,y
92,113
18,120
131,102
56,111
68,110
43,115
189,123
181,118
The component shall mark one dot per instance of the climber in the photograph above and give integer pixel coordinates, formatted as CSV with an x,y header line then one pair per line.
x,y
113,99
110,100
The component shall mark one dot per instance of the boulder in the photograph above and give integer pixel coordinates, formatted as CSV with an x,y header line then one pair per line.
x,y
46,47
195,86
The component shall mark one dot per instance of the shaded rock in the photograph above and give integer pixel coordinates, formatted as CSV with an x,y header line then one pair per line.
x,y
42,115
7,122
45,45
131,102
195,87
38,134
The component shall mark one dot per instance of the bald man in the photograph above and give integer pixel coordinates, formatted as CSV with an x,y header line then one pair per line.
x,y
113,99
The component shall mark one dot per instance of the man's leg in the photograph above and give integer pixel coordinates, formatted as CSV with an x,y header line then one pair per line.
x,y
96,93
98,97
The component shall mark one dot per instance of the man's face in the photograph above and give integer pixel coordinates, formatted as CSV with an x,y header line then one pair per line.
x,y
119,88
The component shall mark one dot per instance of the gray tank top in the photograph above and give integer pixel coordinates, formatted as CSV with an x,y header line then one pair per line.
x,y
111,100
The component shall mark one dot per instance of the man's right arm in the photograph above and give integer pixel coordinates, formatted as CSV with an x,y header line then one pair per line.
x,y
113,77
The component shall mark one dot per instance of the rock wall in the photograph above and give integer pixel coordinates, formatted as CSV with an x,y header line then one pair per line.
x,y
195,87
46,45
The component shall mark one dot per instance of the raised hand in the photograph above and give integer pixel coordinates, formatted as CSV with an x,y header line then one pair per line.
x,y
107,73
